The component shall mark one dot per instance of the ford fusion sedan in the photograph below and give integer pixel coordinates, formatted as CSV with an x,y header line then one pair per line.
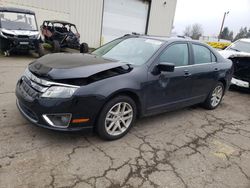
x,y
130,77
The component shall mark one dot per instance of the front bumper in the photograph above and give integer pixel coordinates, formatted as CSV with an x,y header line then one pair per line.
x,y
240,83
21,44
33,109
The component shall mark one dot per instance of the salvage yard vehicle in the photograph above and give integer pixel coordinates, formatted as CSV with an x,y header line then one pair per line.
x,y
239,53
62,34
132,76
19,32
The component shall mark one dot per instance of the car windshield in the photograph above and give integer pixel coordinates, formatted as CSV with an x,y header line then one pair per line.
x,y
240,46
18,21
134,51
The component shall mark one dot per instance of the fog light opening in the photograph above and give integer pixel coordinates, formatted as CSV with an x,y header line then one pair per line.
x,y
58,120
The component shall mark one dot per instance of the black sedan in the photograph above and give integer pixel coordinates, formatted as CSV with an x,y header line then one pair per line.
x,y
130,77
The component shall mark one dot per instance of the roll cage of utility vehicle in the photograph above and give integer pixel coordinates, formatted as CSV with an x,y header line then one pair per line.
x,y
62,34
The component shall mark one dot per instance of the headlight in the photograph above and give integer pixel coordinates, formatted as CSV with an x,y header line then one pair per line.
x,y
59,92
1,33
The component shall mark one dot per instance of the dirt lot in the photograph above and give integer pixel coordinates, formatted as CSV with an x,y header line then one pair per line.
x,y
191,147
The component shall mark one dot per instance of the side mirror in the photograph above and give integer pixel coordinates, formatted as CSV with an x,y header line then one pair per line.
x,y
166,67
163,67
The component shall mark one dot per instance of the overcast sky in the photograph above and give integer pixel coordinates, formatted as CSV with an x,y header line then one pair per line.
x,y
210,13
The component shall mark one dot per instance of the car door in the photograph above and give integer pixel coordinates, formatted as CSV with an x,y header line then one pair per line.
x,y
169,89
204,71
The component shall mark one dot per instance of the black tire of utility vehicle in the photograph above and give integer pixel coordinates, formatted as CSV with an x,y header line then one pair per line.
x,y
84,48
56,46
208,103
101,123
40,50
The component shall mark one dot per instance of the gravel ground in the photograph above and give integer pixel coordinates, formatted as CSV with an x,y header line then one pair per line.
x,y
191,147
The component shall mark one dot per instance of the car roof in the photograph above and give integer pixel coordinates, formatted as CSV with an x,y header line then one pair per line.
x,y
18,10
59,21
166,38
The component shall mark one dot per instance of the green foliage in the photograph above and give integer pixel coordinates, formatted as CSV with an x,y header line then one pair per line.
x,y
47,46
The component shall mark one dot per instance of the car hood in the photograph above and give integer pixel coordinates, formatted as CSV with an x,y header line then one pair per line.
x,y
70,66
241,63
19,32
231,54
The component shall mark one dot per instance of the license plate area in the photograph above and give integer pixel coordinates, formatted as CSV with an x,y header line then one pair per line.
x,y
24,43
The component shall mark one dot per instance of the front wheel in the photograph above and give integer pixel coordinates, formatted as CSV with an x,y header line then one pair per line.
x,y
56,46
215,97
40,50
116,118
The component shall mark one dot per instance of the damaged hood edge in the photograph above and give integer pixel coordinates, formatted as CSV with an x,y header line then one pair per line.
x,y
83,72
73,66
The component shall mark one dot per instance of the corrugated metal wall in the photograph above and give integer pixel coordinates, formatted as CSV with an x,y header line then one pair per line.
x,y
45,9
87,15
161,17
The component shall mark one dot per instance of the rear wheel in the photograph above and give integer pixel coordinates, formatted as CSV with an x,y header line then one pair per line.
x,y
116,118
56,46
215,97
84,48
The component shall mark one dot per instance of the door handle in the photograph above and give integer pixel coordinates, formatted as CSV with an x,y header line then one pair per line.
x,y
216,69
187,73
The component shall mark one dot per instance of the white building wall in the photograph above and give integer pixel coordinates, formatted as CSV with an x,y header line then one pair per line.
x,y
161,17
44,9
87,15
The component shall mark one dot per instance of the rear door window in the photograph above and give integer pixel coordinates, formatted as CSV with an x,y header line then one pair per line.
x,y
202,54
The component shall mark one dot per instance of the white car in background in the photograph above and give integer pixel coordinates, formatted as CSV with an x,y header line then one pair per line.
x,y
239,53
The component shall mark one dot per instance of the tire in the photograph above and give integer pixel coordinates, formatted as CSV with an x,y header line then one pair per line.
x,y
40,50
108,122
84,48
56,46
212,100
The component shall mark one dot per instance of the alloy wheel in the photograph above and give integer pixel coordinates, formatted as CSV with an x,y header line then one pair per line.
x,y
119,118
216,96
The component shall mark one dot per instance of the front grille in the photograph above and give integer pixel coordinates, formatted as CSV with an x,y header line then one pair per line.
x,y
28,89
32,87
23,36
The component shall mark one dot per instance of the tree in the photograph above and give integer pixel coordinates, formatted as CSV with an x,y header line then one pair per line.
x,y
194,31
231,36
226,34
243,33
187,31
197,31
248,33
